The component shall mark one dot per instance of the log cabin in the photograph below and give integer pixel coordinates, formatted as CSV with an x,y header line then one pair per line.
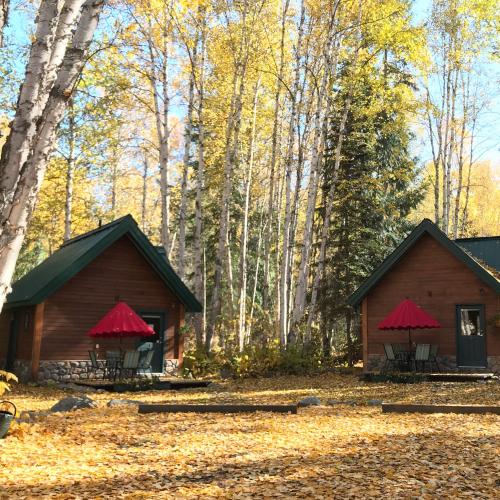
x,y
45,323
456,282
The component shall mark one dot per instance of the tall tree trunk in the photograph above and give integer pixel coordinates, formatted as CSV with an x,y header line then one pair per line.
x,y
34,125
256,277
185,170
436,158
320,117
456,214
284,268
4,17
465,212
144,196
114,182
242,326
230,158
450,148
274,156
199,282
160,81
318,276
70,171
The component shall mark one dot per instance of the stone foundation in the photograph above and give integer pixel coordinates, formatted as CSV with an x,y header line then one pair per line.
x,y
170,366
376,363
63,371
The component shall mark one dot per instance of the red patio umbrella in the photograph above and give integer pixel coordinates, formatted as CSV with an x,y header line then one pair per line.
x,y
121,321
408,316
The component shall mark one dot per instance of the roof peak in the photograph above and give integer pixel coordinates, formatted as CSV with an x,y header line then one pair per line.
x,y
97,230
429,227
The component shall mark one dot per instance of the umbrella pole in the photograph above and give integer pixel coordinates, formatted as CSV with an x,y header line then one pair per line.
x,y
409,337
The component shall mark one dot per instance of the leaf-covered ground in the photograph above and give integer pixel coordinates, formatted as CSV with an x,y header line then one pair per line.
x,y
347,449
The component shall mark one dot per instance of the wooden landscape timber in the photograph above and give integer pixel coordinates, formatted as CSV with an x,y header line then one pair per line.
x,y
439,408
222,408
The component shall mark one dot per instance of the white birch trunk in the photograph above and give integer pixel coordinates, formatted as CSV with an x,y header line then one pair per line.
x,y
274,156
230,158
17,205
284,268
51,38
185,172
4,16
318,276
320,118
70,172
242,320
159,88
144,196
199,281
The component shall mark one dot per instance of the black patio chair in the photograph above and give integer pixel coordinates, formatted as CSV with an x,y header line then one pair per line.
x,y
96,366
113,363
433,357
422,355
391,360
129,364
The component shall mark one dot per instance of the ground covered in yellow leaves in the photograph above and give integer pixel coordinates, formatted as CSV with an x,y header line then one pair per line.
x,y
345,448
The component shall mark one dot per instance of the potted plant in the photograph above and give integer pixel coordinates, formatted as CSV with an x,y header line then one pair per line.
x,y
6,416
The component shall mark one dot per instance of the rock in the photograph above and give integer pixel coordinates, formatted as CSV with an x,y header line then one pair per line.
x,y
73,403
309,401
374,402
122,402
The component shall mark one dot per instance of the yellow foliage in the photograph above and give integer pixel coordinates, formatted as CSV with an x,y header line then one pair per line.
x,y
343,449
6,377
483,217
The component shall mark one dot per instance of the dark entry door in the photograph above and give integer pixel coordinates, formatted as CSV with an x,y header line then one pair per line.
x,y
155,321
471,339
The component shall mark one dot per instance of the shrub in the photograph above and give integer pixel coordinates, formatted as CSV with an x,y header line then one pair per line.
x,y
264,360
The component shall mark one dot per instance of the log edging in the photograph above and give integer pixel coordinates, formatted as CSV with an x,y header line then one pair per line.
x,y
220,408
439,408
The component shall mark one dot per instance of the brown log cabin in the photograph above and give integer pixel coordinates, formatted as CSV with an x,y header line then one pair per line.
x,y
456,282
44,325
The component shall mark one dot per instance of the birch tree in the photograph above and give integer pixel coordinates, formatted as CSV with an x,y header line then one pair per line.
x,y
62,37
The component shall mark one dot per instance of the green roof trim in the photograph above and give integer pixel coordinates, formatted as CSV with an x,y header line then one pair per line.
x,y
425,227
75,254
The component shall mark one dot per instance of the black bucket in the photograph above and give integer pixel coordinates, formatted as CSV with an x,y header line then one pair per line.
x,y
6,418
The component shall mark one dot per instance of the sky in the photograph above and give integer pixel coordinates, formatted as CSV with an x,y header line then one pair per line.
x,y
21,22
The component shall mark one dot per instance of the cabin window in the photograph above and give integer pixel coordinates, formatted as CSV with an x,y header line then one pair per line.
x,y
470,321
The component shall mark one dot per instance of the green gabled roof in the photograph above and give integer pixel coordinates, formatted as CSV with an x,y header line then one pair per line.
x,y
486,249
425,227
75,254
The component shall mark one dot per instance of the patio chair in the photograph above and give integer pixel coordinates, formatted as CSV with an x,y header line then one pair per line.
x,y
422,354
113,359
130,363
433,357
391,360
145,360
96,365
